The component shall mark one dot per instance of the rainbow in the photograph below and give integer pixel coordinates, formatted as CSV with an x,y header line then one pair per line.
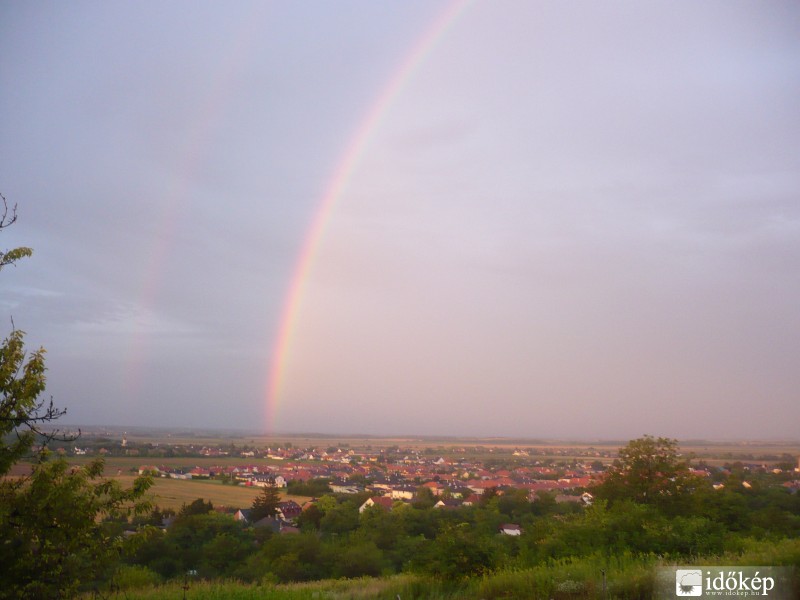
x,y
333,192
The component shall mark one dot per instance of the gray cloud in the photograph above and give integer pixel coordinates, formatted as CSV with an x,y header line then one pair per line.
x,y
571,220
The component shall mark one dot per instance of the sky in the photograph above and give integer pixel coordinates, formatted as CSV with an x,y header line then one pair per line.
x,y
518,218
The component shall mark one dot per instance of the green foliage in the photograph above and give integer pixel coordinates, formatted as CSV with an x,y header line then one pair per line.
x,y
628,576
266,504
7,218
360,559
458,552
21,408
514,505
326,503
295,558
649,471
312,487
53,531
53,540
340,519
310,518
134,577
424,498
213,544
196,507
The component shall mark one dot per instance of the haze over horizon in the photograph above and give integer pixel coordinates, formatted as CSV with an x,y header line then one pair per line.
x,y
351,436
562,221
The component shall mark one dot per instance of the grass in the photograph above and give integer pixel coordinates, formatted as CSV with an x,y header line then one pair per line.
x,y
365,588
628,576
173,493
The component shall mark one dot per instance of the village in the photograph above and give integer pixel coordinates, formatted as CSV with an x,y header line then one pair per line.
x,y
388,475
351,472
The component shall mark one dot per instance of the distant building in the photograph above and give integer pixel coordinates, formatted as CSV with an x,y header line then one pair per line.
x,y
385,502
510,529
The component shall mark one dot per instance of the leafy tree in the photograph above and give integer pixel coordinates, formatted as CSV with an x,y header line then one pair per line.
x,y
265,504
360,559
53,541
9,257
222,554
514,504
458,552
341,518
197,507
22,382
648,471
424,498
293,558
310,518
488,495
359,479
380,526
312,487
326,503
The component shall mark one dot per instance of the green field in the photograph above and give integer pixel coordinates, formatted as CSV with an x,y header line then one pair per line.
x,y
590,578
713,452
173,493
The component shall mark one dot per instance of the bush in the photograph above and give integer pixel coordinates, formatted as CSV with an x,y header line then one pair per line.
x,y
134,576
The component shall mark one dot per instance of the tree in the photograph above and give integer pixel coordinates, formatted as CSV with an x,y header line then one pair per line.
x,y
53,541
424,498
9,257
648,471
310,518
265,504
22,410
458,553
197,507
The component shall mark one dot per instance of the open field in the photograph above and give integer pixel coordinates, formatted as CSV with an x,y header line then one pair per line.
x,y
127,465
753,450
173,493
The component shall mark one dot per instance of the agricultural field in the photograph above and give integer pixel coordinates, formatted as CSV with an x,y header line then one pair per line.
x,y
173,493
713,452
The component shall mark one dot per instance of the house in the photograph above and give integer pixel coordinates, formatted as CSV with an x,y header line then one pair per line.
x,y
792,486
289,510
561,498
434,487
510,529
342,488
471,500
243,514
384,502
252,478
403,492
276,524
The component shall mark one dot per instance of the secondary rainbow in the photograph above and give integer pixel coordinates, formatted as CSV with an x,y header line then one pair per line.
x,y
177,193
333,192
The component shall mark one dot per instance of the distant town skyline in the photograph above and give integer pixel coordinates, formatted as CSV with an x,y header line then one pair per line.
x,y
525,220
